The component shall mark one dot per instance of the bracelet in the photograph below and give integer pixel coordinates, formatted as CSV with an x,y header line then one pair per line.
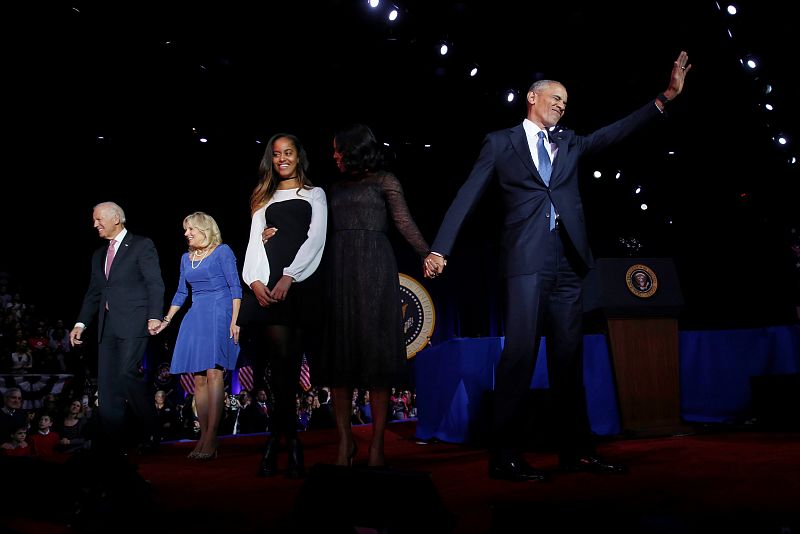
x,y
165,319
662,98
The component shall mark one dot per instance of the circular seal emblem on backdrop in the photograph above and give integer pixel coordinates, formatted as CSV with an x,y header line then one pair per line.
x,y
641,280
419,317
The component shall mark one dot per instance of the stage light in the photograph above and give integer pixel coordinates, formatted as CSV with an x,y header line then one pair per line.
x,y
781,139
473,70
373,3
750,62
443,48
394,12
643,207
597,174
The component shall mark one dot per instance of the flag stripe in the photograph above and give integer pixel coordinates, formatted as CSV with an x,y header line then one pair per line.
x,y
305,374
187,383
246,377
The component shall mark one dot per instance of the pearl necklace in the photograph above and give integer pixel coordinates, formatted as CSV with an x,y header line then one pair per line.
x,y
196,255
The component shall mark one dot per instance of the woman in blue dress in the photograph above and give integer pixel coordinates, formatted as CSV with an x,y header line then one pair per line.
x,y
208,339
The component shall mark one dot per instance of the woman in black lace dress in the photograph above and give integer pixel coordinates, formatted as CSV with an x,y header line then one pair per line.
x,y
365,346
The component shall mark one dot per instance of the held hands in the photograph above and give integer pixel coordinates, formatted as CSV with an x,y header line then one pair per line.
x,y
154,326
433,265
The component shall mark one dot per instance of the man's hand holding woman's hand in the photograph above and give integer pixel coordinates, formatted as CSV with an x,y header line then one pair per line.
x,y
433,265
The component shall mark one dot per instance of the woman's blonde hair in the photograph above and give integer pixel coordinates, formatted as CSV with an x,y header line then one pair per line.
x,y
207,226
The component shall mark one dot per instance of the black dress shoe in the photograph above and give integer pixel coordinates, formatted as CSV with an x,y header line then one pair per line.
x,y
591,464
515,470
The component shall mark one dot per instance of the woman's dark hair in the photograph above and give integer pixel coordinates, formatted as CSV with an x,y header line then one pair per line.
x,y
268,183
359,149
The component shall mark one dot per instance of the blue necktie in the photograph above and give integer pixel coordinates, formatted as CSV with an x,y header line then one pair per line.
x,y
545,168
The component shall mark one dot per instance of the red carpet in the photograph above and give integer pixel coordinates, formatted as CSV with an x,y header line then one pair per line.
x,y
732,481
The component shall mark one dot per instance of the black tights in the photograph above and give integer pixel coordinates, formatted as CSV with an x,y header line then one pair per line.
x,y
283,350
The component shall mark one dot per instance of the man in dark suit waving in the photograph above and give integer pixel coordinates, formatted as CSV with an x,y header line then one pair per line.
x,y
126,292
545,255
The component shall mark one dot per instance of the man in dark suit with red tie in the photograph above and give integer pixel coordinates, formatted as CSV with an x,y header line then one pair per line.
x,y
126,292
545,256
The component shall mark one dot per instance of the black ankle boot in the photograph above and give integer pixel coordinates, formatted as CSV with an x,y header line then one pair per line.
x,y
296,468
269,462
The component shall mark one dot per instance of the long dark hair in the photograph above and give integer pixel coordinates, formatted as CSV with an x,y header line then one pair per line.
x,y
267,184
359,148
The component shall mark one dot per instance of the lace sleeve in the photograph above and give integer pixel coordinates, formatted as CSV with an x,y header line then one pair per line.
x,y
398,209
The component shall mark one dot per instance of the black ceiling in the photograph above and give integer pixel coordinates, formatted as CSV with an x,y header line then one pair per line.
x,y
143,76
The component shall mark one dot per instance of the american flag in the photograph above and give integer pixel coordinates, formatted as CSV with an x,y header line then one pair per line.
x,y
246,377
305,374
187,383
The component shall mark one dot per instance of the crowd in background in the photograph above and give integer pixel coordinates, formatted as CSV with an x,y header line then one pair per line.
x,y
50,394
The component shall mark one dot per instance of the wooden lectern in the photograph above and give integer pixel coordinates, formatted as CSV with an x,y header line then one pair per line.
x,y
640,299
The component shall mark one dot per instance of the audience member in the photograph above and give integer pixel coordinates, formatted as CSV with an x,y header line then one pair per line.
x,y
74,428
44,441
15,444
12,416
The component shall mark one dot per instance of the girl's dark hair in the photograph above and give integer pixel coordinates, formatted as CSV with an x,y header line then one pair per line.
x,y
268,183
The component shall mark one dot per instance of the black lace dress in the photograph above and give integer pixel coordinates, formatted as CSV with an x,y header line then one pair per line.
x,y
364,342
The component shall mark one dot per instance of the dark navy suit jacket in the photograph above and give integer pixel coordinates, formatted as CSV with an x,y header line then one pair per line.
x,y
526,199
134,289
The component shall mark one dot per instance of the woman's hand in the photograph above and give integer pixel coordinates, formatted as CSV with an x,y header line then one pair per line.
x,y
263,295
267,233
235,333
281,289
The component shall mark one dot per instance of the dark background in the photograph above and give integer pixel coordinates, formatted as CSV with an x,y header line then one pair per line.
x,y
151,79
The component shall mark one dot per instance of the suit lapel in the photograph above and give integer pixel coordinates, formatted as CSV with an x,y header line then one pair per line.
x,y
121,254
520,144
561,155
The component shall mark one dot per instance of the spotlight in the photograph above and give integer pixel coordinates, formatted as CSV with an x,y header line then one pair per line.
x,y
597,174
781,140
373,3
443,48
473,70
394,12
511,94
750,62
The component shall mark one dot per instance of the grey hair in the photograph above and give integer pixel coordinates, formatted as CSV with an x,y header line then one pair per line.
x,y
9,391
538,85
114,208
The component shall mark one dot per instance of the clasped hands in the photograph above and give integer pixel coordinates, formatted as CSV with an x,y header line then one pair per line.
x,y
154,326
433,265
265,296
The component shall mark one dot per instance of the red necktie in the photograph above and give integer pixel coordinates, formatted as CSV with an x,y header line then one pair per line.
x,y
109,256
